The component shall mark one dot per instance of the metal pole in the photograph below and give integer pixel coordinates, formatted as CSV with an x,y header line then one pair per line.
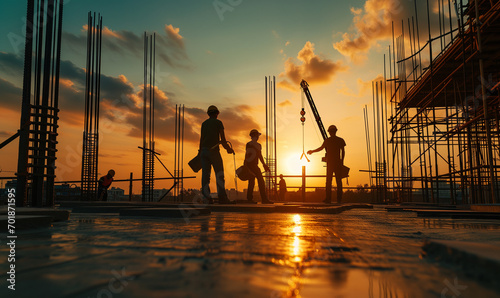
x,y
22,160
275,189
130,187
485,105
304,183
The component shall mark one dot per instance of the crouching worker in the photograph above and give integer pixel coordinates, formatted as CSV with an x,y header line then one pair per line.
x,y
252,156
104,183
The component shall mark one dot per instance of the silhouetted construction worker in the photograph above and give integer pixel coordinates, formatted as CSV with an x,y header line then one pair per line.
x,y
103,185
282,190
335,154
252,156
212,134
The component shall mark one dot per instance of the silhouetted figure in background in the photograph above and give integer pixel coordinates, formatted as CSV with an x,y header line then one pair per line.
x,y
212,134
252,156
103,185
283,190
335,154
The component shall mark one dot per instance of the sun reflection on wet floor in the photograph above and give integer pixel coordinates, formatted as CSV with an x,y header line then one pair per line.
x,y
296,231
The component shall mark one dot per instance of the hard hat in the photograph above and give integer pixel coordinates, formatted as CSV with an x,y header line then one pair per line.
x,y
254,132
332,128
212,109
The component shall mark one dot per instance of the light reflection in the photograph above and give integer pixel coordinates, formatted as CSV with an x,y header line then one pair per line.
x,y
296,230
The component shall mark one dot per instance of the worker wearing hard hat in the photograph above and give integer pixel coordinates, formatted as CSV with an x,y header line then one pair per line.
x,y
252,156
212,134
335,154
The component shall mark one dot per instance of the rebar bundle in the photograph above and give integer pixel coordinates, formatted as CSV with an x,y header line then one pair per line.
x,y
39,113
90,150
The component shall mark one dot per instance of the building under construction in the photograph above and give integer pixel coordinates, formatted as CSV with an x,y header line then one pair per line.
x,y
439,139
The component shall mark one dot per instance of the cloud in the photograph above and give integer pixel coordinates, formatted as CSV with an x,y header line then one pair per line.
x,y
173,34
238,121
371,24
11,95
313,69
170,45
5,134
11,64
285,103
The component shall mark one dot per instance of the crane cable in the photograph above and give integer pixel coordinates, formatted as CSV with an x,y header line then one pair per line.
x,y
303,120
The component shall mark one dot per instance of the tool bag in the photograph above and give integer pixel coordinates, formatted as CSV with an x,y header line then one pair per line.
x,y
195,163
244,173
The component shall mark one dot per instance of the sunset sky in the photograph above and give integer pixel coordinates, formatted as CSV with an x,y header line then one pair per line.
x,y
211,52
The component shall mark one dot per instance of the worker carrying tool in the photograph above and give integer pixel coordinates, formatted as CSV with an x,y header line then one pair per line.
x,y
212,134
252,156
335,154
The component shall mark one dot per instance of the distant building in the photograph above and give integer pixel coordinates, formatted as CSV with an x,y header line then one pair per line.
x,y
67,192
116,194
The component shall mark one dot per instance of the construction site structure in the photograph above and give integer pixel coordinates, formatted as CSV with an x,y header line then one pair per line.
x,y
148,125
271,146
90,150
440,143
40,104
179,153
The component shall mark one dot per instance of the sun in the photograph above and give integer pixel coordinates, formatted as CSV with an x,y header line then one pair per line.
x,y
293,164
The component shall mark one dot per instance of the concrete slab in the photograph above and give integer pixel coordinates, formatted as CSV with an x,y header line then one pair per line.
x,y
165,212
101,209
480,260
25,222
250,208
486,208
457,214
56,214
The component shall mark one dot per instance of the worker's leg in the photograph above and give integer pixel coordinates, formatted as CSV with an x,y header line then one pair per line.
x,y
338,179
206,169
262,185
328,186
219,174
251,184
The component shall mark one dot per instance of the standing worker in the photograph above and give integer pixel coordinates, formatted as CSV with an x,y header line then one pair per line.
x,y
103,185
283,190
212,134
252,156
335,154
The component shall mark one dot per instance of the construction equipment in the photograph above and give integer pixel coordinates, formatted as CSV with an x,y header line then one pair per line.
x,y
305,87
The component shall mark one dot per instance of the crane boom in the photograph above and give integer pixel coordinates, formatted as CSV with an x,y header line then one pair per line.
x,y
315,112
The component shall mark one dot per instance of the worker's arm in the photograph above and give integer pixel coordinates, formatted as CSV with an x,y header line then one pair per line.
x,y
224,143
317,149
342,153
261,158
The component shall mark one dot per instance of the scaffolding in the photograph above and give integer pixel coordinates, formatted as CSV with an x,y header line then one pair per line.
x,y
90,150
441,140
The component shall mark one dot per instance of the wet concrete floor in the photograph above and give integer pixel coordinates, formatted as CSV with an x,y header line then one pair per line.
x,y
358,253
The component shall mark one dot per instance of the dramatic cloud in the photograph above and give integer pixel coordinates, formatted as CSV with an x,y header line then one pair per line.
x,y
371,24
313,69
238,121
170,47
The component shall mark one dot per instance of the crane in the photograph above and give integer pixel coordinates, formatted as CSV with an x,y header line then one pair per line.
x,y
305,87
